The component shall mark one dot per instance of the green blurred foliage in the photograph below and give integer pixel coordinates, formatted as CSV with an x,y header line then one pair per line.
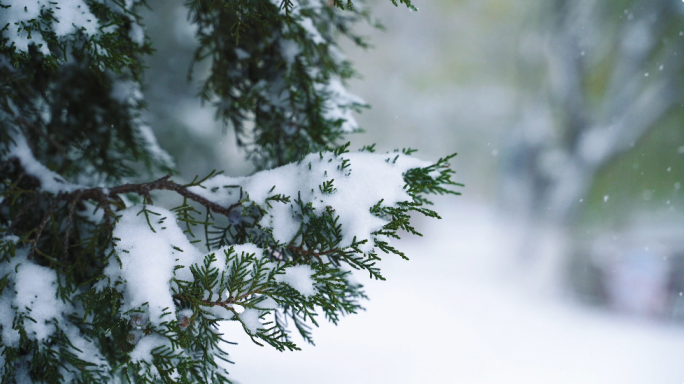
x,y
644,179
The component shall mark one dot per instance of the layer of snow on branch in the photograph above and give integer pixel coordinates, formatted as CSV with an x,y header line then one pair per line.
x,y
148,259
137,33
299,278
152,145
49,181
71,15
289,49
32,292
369,179
36,288
129,93
240,249
338,104
311,30
143,350
250,318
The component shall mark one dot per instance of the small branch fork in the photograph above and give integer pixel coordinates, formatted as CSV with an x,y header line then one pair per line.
x,y
144,189
317,255
227,303
102,196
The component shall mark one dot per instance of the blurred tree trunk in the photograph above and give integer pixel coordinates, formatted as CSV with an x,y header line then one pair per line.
x,y
595,79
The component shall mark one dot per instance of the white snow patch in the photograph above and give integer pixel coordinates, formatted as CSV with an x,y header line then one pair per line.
x,y
289,50
369,179
184,313
242,54
10,337
299,278
32,290
311,30
84,349
148,260
127,92
152,146
72,16
49,180
143,350
268,303
338,102
36,288
219,312
246,249
9,238
137,33
250,318
20,11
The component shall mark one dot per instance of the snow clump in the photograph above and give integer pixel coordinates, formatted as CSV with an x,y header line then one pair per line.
x,y
49,181
299,278
368,179
71,16
146,259
250,318
32,291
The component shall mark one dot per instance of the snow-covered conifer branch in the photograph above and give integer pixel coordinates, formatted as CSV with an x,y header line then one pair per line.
x,y
288,269
97,283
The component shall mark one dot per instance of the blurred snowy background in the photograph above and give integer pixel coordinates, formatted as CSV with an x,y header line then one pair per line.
x,y
563,261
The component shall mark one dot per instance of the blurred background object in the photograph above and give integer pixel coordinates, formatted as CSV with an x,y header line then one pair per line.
x,y
564,259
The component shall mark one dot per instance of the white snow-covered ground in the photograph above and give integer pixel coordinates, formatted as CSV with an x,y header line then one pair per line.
x,y
457,313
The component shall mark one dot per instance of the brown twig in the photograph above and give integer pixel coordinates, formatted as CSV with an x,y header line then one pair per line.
x,y
317,255
21,212
102,196
39,230
67,231
144,189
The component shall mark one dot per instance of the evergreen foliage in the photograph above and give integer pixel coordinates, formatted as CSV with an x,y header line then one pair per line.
x,y
99,285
